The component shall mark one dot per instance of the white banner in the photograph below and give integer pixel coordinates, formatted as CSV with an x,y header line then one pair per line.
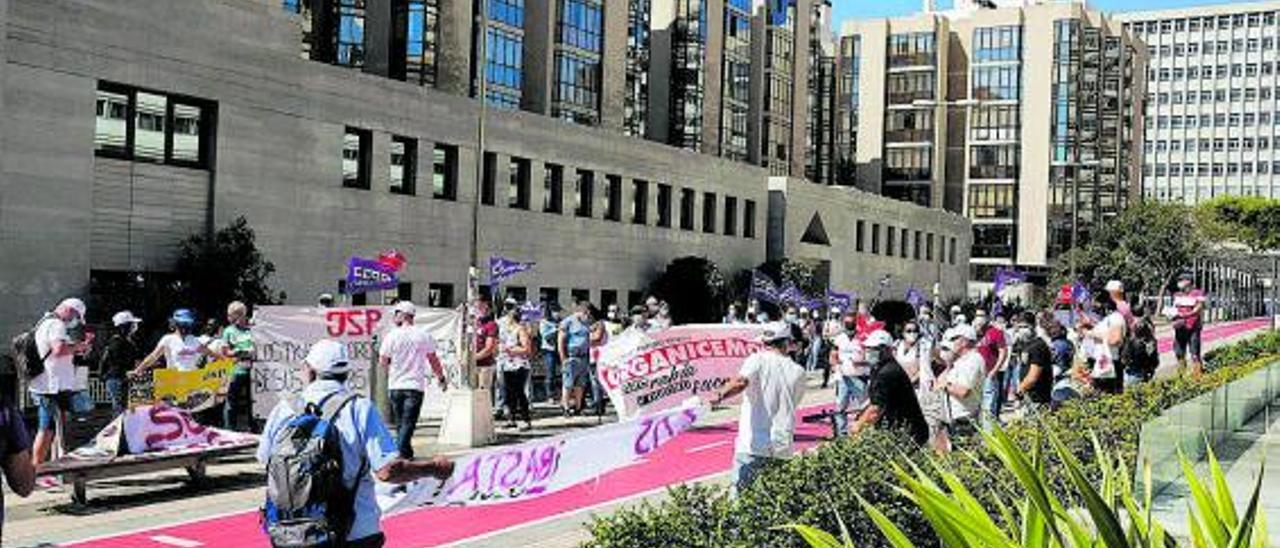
x,y
541,467
284,334
647,372
157,428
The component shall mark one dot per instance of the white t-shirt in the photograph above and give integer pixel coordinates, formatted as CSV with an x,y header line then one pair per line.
x,y
59,371
912,358
408,347
181,352
509,338
768,421
1105,355
967,371
849,351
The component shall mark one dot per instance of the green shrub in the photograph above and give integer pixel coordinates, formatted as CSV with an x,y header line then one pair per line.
x,y
816,487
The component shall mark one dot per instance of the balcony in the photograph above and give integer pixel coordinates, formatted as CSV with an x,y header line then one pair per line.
x,y
993,172
909,97
908,136
908,174
911,60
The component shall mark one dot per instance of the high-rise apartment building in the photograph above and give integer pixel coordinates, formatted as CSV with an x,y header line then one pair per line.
x,y
1211,101
1025,118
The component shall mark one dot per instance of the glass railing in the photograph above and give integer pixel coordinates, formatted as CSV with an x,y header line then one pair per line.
x,y
1212,417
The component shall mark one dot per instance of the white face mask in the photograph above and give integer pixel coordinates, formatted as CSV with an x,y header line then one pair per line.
x,y
637,320
791,318
948,356
911,338
762,318
613,315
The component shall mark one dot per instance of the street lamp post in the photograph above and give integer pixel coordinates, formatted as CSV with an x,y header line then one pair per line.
x,y
468,421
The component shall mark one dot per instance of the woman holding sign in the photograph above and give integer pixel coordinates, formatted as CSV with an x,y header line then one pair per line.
x,y
180,348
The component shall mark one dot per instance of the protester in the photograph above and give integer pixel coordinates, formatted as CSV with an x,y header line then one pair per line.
x,y
854,373
1035,387
659,314
485,348
180,348
574,345
962,381
1188,320
637,321
957,316
892,402
15,446
120,355
515,346
811,327
325,300
600,334
930,328
406,351
1102,346
613,324
995,355
912,352
1021,334
731,315
830,330
1140,353
774,385
59,338
366,444
1065,384
548,332
1115,288
239,345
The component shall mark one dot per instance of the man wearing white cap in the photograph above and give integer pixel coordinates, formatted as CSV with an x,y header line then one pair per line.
x,y
58,340
406,351
121,354
1115,288
962,382
773,385
367,446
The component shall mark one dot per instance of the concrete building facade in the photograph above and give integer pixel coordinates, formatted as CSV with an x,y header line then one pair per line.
x,y
1025,118
145,123
1211,101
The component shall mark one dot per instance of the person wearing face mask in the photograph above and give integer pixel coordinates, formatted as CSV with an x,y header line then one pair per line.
x,y
830,330
957,316
731,315
574,345
613,322
1018,337
993,349
121,355
1188,304
851,384
638,321
912,353
1102,343
1035,388
928,326
892,401
753,313
962,382
548,330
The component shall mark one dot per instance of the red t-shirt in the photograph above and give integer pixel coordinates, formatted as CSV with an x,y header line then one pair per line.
x,y
990,345
484,332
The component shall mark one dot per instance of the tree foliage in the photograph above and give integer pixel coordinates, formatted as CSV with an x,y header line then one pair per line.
x,y
1248,220
1145,246
693,288
213,271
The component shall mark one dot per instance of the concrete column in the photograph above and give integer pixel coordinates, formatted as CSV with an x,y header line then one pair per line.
x,y
380,162
613,77
713,77
424,172
501,179
539,55
467,176
455,51
537,186
756,104
627,203
377,37
800,88
662,29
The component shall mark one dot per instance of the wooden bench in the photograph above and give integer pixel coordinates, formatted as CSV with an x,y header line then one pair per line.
x,y
79,471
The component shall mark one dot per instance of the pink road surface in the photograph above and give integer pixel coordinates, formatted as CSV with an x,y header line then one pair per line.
x,y
695,455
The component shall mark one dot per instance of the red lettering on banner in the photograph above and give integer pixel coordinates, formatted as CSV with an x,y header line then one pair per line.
x,y
352,322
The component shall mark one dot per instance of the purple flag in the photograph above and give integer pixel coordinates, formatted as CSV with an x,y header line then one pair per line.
x,y
762,288
365,275
1080,293
791,294
915,298
531,311
501,268
843,301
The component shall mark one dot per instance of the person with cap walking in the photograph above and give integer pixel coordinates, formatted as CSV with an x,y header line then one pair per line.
x,y
853,373
368,450
1115,288
180,348
962,381
1188,320
893,402
120,355
774,385
59,338
406,351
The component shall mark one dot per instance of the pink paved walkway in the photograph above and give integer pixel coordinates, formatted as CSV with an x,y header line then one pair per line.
x,y
695,455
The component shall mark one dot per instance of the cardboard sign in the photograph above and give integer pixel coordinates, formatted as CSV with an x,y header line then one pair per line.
x,y
193,390
648,372
282,336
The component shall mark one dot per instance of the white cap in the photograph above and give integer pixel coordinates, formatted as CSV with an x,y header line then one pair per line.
x,y
965,331
651,301
328,356
1115,285
776,331
877,339
124,317
74,304
406,308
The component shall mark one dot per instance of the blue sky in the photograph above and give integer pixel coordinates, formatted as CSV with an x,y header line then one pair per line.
x,y
846,9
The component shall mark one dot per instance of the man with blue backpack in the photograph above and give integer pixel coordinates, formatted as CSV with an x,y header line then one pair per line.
x,y
322,450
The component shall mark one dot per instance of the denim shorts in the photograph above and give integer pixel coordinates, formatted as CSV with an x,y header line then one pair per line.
x,y
576,372
51,406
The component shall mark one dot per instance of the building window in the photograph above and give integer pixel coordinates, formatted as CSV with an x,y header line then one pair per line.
x,y
505,61
859,234
994,161
553,189
990,242
997,44
912,49
664,205
928,247
909,164
138,125
349,35
991,201
915,246
997,83
444,172
996,123
902,244
687,198
613,198
608,297
488,179
889,233
585,191
440,295
951,254
730,216
356,145
749,219
402,292
403,165
634,298
709,212
518,189
580,295
875,238
549,296
422,38
639,202
576,94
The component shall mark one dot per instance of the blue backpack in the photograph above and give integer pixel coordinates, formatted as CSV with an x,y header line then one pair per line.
x,y
308,503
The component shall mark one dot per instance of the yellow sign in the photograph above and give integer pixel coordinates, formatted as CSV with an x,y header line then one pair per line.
x,y
194,390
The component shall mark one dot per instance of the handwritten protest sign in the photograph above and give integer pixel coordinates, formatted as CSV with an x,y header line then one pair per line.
x,y
282,336
193,390
541,467
646,372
